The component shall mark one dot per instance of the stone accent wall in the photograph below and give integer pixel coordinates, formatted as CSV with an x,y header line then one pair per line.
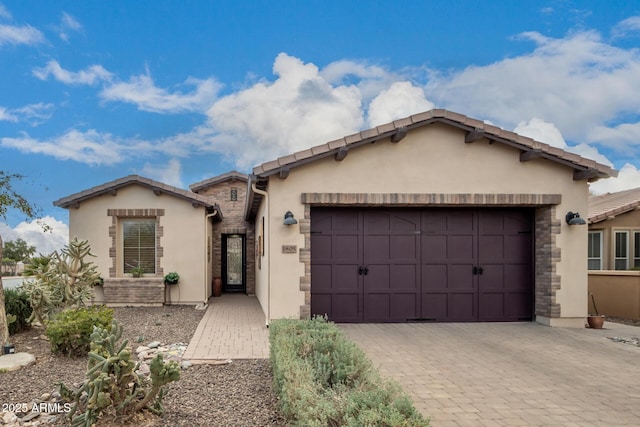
x,y
547,254
113,234
232,223
134,291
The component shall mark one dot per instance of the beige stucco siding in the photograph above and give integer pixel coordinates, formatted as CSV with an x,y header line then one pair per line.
x,y
430,160
183,239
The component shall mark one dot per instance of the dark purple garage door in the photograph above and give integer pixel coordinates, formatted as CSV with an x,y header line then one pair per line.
x,y
406,264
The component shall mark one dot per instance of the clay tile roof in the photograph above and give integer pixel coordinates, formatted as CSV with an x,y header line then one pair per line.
x,y
113,186
584,168
610,205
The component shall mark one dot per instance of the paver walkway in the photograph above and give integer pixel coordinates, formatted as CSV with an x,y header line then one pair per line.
x,y
233,327
510,374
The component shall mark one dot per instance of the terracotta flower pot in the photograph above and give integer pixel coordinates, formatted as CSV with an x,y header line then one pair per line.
x,y
595,321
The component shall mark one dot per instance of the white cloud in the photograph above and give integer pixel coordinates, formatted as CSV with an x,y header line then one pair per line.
x,y
402,99
32,232
33,113
142,91
577,82
89,76
541,131
7,116
88,147
4,13
168,174
67,23
626,28
297,110
628,177
548,133
26,34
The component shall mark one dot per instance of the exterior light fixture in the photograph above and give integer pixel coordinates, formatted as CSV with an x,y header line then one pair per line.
x,y
289,219
574,219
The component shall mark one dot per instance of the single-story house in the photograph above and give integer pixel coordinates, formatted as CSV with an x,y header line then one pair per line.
x,y
435,217
614,231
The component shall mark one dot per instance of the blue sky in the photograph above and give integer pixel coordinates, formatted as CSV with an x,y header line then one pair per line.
x,y
183,91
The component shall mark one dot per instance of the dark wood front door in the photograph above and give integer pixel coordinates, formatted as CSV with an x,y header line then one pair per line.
x,y
396,265
233,263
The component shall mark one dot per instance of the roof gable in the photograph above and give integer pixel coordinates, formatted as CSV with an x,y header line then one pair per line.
x,y
210,182
113,186
476,130
609,205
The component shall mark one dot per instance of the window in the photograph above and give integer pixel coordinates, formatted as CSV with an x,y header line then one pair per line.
x,y
139,244
636,249
621,257
595,250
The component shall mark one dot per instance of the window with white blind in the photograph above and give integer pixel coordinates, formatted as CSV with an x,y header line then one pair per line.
x,y
139,245
621,247
595,250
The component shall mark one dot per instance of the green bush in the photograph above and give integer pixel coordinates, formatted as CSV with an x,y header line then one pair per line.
x,y
323,379
16,302
69,332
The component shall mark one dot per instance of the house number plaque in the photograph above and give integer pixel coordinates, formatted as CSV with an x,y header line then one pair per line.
x,y
289,249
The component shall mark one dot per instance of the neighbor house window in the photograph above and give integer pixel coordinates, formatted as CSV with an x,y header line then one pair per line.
x,y
139,244
595,250
621,246
636,249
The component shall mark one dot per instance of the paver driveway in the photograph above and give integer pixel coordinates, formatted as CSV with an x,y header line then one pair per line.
x,y
510,374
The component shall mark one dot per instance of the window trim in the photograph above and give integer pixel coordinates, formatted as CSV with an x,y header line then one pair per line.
x,y
615,249
115,233
599,258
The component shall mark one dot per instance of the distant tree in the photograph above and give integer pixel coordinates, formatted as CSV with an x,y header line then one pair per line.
x,y
15,252
10,199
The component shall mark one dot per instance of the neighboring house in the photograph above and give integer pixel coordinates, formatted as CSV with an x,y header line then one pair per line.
x,y
436,217
614,231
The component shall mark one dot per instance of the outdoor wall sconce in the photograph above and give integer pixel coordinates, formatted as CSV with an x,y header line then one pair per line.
x,y
289,219
574,219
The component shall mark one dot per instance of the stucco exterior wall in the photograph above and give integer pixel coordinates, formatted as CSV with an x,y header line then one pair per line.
x,y
629,221
183,239
430,160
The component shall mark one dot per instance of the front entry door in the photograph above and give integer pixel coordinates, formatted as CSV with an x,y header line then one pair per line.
x,y
233,263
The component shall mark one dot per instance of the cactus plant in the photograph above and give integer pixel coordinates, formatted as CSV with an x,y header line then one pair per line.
x,y
67,280
113,388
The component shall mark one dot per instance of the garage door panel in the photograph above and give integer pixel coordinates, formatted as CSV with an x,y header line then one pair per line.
x,y
346,307
447,264
435,307
491,306
322,277
518,306
345,277
434,277
345,248
462,307
321,305
403,277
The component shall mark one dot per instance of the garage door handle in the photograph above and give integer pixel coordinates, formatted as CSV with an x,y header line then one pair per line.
x,y
363,271
477,270
366,271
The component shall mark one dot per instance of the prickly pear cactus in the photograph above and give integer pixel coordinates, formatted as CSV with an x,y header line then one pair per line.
x,y
113,388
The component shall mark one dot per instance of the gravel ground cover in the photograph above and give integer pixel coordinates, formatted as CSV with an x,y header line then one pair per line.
x,y
236,394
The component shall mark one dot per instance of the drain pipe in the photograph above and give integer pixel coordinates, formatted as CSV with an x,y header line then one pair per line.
x,y
206,249
264,194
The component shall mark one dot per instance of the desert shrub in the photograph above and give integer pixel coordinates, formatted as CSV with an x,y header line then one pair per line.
x,y
113,389
16,303
69,331
324,379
